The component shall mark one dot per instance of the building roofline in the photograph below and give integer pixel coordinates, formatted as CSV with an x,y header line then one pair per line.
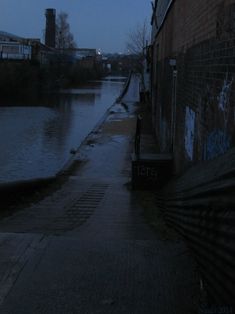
x,y
13,36
165,16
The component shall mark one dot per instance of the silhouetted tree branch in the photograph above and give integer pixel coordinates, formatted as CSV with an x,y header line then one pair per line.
x,y
137,39
64,38
136,43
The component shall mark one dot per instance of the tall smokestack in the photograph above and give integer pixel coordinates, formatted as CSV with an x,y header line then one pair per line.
x,y
50,27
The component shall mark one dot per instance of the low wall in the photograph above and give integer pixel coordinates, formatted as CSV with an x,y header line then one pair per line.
x,y
200,205
125,88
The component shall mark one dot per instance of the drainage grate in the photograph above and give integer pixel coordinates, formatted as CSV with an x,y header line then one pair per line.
x,y
81,210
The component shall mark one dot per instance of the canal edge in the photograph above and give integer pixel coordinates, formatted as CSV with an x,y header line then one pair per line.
x,y
69,164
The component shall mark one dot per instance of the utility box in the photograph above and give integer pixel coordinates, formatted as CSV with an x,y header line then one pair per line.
x,y
151,171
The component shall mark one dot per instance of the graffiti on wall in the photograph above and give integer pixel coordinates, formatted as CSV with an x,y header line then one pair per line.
x,y
224,97
217,143
189,132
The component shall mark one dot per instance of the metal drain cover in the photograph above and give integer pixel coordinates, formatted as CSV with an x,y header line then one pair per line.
x,y
81,210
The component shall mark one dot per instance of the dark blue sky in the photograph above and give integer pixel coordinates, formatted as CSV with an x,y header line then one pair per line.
x,y
97,24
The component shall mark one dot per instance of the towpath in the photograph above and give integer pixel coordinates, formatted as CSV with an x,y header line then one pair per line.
x,y
87,247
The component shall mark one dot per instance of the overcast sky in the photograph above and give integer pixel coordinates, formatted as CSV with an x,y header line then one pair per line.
x,y
101,24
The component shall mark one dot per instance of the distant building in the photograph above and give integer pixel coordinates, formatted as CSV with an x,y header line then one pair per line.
x,y
84,53
4,36
86,57
13,47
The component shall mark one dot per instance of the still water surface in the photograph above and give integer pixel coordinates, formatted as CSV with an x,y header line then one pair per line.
x,y
35,141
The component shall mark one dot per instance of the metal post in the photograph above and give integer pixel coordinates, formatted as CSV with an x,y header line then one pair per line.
x,y
137,135
172,63
174,108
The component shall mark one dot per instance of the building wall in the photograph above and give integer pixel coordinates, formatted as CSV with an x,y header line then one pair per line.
x,y
193,101
15,51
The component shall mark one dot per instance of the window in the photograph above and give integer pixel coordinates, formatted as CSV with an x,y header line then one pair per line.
x,y
11,49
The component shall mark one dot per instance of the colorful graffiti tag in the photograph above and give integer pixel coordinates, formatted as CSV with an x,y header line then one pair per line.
x,y
189,132
217,143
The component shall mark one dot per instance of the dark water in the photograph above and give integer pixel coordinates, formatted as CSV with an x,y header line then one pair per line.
x,y
35,141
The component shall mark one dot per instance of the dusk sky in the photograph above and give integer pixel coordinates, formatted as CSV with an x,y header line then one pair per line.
x,y
101,24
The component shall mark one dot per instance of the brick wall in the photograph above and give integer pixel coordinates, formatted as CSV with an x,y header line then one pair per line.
x,y
193,112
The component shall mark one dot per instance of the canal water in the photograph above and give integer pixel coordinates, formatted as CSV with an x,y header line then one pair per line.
x,y
36,140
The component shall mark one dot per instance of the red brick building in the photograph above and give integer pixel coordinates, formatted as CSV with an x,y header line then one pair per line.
x,y
193,78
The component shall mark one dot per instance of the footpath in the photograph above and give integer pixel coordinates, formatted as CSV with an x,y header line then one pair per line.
x,y
87,248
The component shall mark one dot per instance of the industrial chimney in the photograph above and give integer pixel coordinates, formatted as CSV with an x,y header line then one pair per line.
x,y
50,27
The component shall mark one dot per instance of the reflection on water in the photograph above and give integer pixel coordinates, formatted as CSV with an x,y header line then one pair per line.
x,y
35,141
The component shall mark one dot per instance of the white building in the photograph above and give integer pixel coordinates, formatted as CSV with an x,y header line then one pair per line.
x,y
14,48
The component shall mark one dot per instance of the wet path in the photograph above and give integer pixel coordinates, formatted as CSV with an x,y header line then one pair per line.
x,y
87,248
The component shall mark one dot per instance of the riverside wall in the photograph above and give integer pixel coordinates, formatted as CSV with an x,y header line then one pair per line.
x,y
193,115
193,96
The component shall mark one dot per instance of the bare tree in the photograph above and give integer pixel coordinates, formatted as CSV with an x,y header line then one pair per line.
x,y
64,38
137,41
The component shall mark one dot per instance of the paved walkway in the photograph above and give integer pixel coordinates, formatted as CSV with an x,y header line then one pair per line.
x,y
87,248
